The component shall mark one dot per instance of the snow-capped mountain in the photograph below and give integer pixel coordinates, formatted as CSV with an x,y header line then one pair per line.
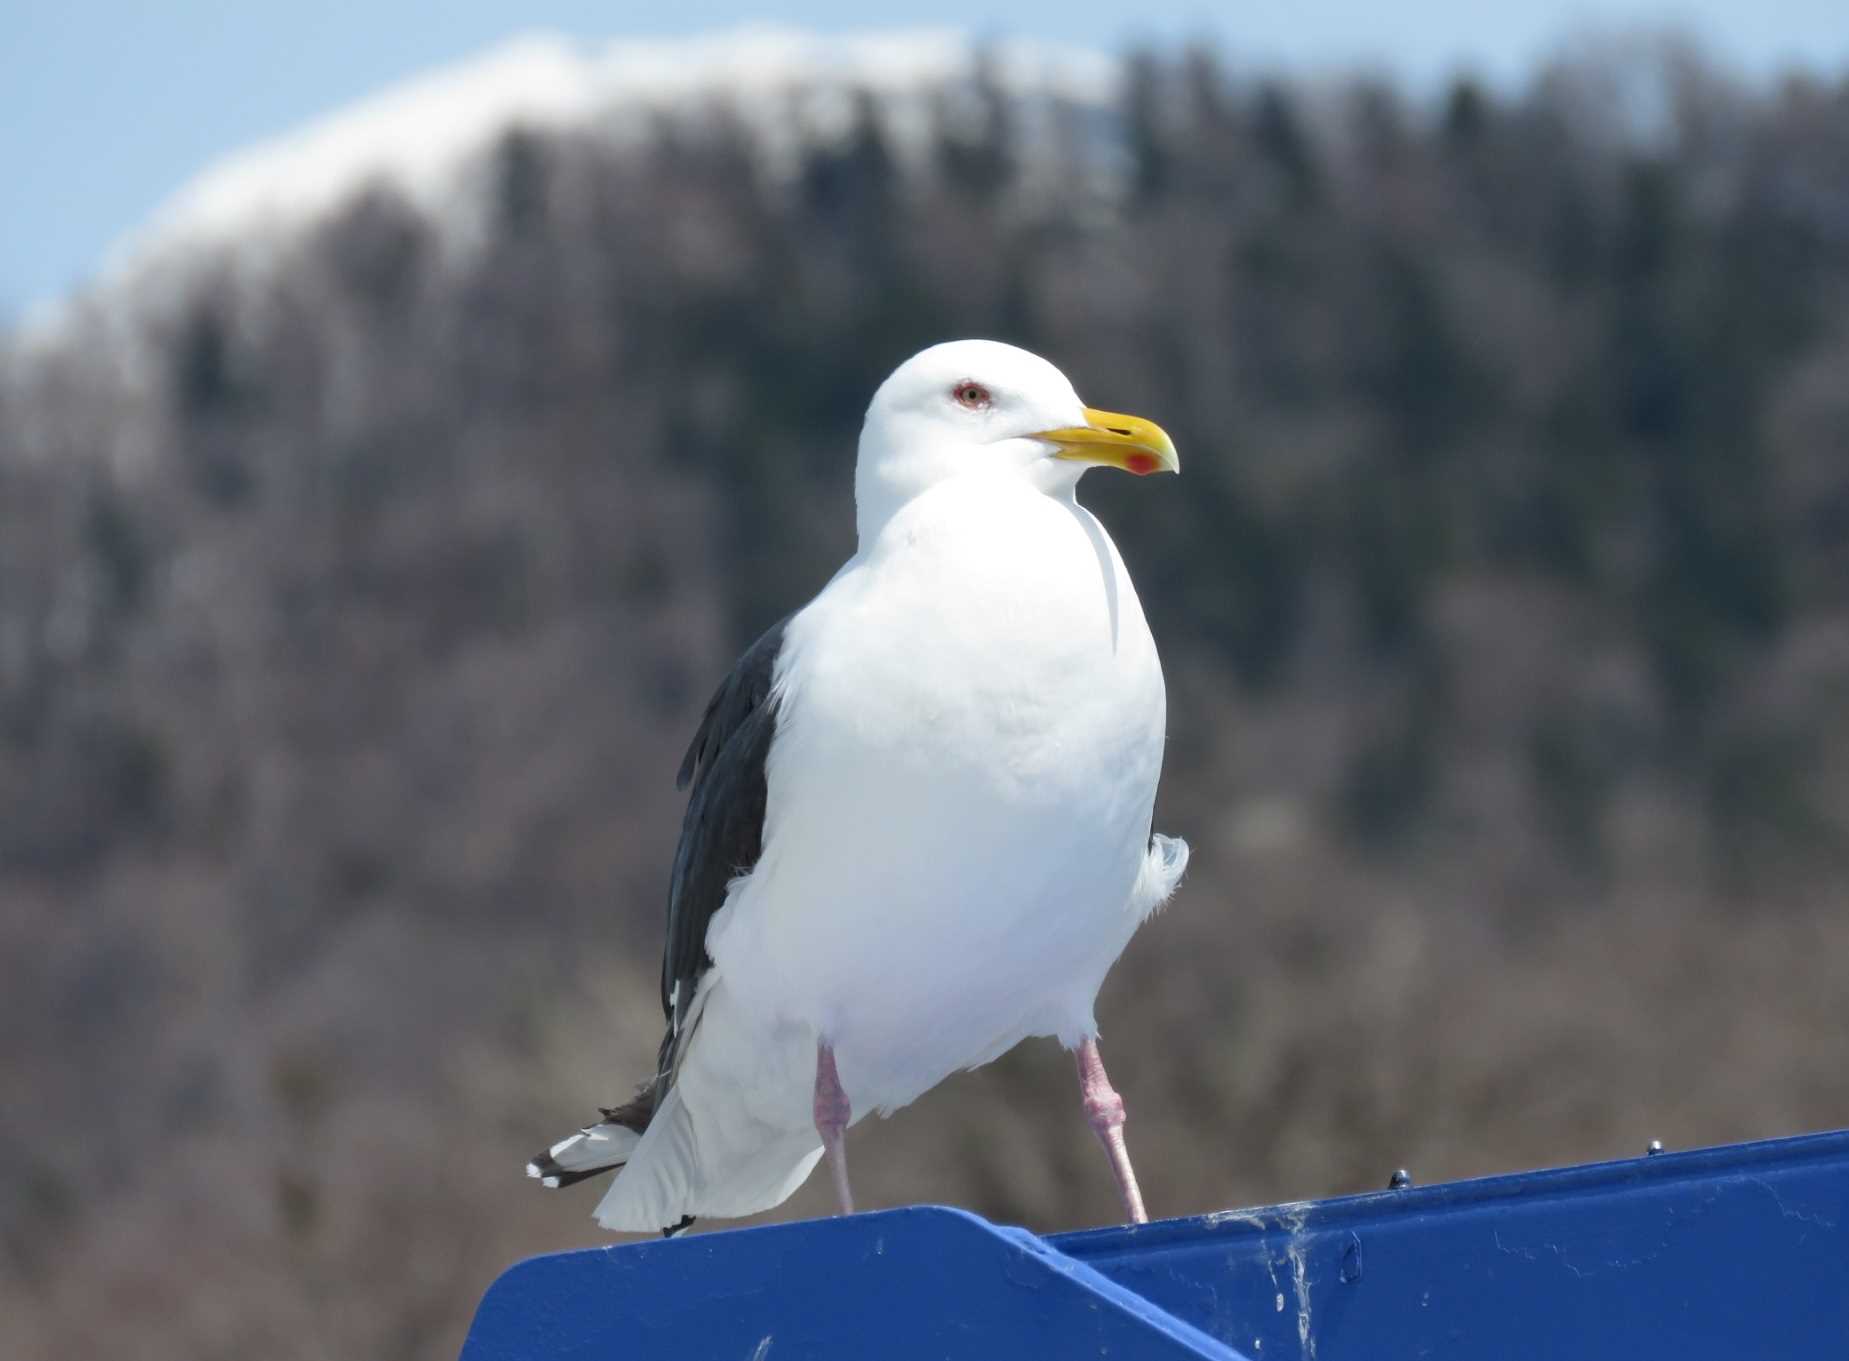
x,y
789,87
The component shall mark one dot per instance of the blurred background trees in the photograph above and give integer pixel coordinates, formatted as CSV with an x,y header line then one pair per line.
x,y
353,611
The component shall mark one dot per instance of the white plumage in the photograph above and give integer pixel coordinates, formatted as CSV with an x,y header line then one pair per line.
x,y
956,838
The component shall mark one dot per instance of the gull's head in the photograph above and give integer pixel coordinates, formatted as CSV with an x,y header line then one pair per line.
x,y
978,408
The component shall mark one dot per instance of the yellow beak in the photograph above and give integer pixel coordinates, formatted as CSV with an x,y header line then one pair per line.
x,y
1128,442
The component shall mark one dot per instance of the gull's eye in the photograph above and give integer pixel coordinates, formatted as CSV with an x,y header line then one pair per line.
x,y
973,396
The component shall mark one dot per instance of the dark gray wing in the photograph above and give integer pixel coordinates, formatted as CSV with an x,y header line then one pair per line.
x,y
722,834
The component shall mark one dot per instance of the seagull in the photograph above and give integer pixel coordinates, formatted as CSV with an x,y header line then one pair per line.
x,y
919,825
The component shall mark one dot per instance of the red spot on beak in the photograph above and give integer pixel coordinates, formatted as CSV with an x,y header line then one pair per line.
x,y
1141,464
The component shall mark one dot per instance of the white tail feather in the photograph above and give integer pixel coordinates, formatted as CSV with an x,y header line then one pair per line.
x,y
1162,869
673,1173
733,1136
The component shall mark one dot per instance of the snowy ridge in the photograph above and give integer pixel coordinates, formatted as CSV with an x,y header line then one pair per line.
x,y
418,135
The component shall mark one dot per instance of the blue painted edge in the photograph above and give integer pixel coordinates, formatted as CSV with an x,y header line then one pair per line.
x,y
1560,1183
1108,1290
584,1303
1715,1253
578,1304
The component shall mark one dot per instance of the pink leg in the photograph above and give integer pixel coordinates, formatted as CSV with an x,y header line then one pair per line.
x,y
1104,1111
832,1113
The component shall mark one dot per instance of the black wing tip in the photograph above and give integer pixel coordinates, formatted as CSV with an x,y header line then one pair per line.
x,y
555,1178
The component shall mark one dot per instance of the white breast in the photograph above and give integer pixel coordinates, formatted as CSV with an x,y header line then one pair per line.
x,y
959,795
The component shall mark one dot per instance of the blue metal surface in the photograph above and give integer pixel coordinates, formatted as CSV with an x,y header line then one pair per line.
x,y
898,1285
1731,1252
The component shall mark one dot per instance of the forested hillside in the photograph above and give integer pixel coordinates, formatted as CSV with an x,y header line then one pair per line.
x,y
355,606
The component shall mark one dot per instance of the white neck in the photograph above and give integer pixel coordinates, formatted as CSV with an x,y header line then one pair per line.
x,y
885,480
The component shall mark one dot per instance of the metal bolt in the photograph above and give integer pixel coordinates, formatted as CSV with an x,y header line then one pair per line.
x,y
1655,1147
1400,1180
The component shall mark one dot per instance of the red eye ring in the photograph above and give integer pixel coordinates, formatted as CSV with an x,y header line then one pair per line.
x,y
971,395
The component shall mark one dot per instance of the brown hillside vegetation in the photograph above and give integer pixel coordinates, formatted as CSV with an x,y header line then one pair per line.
x,y
354,611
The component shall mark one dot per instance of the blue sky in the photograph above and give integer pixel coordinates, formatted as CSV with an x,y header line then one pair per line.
x,y
108,106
